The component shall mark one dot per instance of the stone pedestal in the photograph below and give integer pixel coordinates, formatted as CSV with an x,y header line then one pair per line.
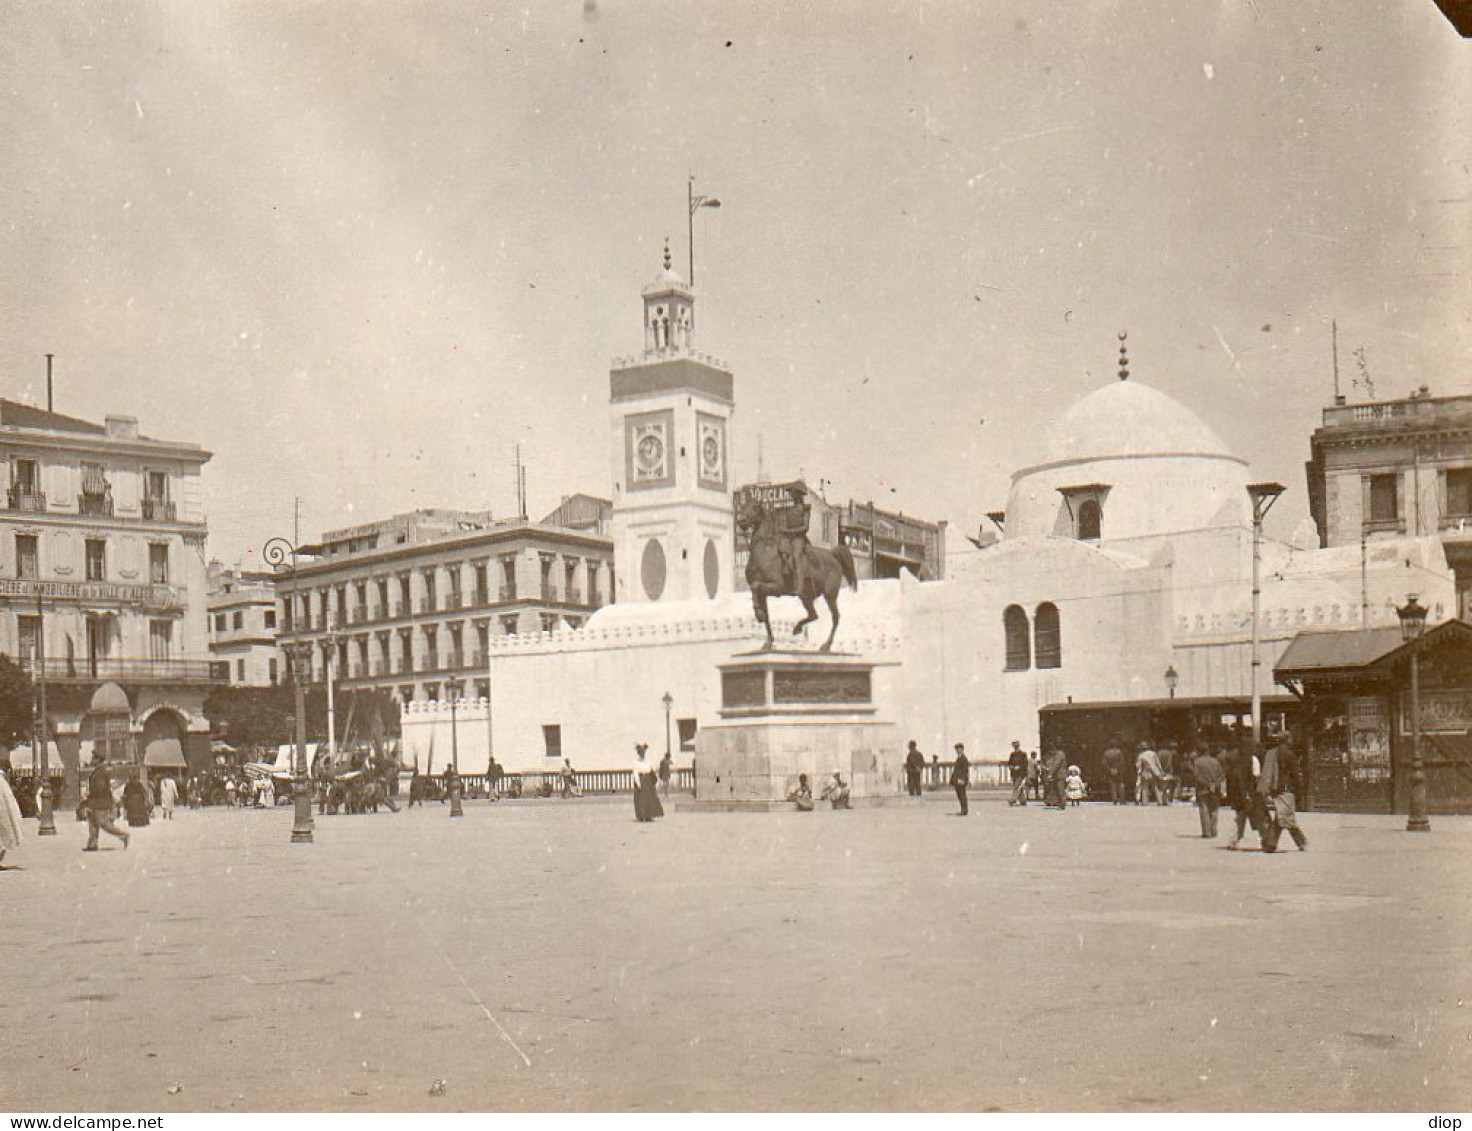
x,y
790,713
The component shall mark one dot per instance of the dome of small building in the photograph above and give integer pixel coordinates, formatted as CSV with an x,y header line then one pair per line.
x,y
110,699
1126,418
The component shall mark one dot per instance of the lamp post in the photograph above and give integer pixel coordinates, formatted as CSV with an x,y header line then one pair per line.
x,y
299,652
669,702
46,817
1412,622
452,688
696,203
1172,679
1263,496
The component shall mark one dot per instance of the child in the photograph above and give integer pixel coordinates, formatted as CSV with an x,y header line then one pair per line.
x,y
1075,785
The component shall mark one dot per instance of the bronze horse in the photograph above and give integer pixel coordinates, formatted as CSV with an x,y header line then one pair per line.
x,y
827,570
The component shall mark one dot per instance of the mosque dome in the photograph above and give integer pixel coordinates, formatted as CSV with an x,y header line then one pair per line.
x,y
1126,418
1126,463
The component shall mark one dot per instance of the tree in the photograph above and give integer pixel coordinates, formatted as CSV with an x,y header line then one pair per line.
x,y
16,703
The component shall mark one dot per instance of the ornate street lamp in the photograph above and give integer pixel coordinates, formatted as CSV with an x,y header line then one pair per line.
x,y
41,732
1172,679
1412,623
452,688
1263,496
299,653
669,702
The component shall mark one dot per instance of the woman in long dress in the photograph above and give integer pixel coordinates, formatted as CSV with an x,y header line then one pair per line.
x,y
646,794
9,816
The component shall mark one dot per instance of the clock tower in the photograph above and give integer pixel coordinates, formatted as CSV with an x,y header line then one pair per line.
x,y
673,525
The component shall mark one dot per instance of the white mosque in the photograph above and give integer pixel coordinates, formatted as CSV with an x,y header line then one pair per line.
x,y
1126,553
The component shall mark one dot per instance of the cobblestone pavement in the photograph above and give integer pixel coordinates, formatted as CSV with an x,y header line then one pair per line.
x,y
551,955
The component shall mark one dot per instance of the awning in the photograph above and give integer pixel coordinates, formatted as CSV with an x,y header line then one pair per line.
x,y
22,758
165,753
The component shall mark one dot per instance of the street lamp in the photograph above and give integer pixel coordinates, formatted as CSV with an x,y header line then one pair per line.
x,y
452,689
1412,623
1263,496
1172,679
669,702
696,203
46,816
299,652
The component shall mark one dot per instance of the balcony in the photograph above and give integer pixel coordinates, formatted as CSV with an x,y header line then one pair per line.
x,y
426,604
454,601
95,504
22,498
454,661
84,670
159,510
482,596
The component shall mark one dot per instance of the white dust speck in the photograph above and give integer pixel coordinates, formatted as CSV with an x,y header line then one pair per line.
x,y
1213,1022
1208,70
138,106
357,1015
1022,851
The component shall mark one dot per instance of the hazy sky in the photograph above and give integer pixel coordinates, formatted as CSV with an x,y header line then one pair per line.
x,y
358,251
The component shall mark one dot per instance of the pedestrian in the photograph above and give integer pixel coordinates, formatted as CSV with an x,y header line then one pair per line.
x,y
646,796
100,811
135,803
168,797
494,774
570,779
1055,780
1075,784
1149,778
1276,785
1114,768
230,792
802,795
1241,770
914,768
837,792
9,816
1210,780
1035,775
1017,767
1168,778
666,768
961,777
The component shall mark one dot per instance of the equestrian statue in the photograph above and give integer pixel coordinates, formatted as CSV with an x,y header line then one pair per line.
x,y
782,563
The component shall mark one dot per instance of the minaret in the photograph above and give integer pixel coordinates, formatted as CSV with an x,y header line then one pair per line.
x,y
673,526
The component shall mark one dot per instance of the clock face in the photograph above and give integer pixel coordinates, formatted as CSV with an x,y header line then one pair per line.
x,y
651,452
711,452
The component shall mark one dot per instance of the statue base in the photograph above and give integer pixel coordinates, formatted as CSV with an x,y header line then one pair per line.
x,y
790,713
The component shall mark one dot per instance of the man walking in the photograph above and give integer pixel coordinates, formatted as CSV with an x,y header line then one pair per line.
x,y
961,776
1149,780
1055,772
1017,767
1276,785
1210,780
1167,756
1114,767
914,767
1241,770
100,809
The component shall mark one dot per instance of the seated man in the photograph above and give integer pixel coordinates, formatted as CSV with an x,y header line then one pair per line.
x,y
837,792
802,796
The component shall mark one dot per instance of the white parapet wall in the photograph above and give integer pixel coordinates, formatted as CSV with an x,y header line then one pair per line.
x,y
603,689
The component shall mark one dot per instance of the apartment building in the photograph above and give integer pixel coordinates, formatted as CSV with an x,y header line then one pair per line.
x,y
409,603
242,627
102,584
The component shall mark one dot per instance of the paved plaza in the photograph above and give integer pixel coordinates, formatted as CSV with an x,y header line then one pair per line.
x,y
556,955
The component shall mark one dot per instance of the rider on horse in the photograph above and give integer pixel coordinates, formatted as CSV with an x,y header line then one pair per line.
x,y
792,539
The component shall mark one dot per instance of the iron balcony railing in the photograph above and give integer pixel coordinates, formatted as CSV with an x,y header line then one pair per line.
x,y
21,499
94,504
162,510
85,669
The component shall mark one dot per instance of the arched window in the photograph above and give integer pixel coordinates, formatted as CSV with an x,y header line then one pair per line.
x,y
1090,516
1019,643
1047,636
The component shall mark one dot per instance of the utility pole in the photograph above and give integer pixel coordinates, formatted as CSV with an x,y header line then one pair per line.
x,y
1263,496
694,203
49,356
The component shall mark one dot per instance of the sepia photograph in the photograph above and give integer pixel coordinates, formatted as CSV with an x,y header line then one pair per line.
x,y
526,526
